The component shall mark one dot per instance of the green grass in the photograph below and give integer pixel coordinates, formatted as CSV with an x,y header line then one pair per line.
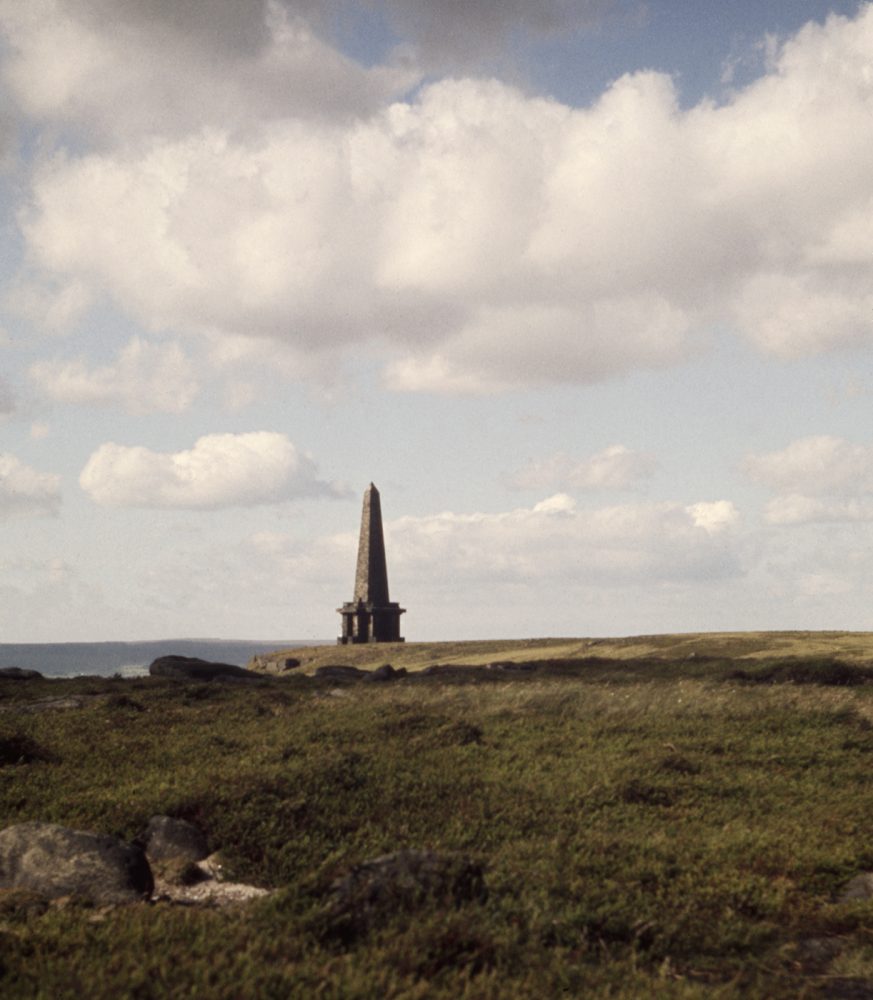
x,y
648,828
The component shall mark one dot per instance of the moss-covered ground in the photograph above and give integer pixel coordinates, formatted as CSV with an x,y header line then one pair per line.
x,y
650,828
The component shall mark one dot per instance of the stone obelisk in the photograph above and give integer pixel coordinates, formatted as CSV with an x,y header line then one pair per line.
x,y
371,616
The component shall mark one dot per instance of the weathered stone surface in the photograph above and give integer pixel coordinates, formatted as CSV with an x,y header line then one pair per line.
x,y
402,881
371,572
339,673
270,664
19,674
56,861
191,668
202,883
861,887
371,616
166,837
509,667
385,673
216,894
175,872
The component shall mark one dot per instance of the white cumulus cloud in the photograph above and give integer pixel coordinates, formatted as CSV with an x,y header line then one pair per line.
x,y
474,237
556,541
821,478
798,509
121,69
551,566
145,378
221,470
615,468
714,516
819,465
25,491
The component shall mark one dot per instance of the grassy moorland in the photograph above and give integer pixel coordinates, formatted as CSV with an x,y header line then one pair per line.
x,y
656,826
852,647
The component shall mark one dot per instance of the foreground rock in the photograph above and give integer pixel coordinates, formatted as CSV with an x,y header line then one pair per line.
x,y
203,884
340,672
273,665
511,667
385,673
403,881
861,887
191,668
56,861
185,873
167,838
19,674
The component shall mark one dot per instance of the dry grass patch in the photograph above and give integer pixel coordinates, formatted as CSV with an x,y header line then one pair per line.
x,y
852,647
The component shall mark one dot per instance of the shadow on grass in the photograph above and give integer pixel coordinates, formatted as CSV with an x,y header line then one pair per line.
x,y
824,671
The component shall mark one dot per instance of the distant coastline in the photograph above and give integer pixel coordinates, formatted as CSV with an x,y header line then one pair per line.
x,y
131,659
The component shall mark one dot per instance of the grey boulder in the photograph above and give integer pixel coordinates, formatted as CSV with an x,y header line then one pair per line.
x,y
19,674
166,837
273,665
860,887
192,668
511,667
385,673
56,861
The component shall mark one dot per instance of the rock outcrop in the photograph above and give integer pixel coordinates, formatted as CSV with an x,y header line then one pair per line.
x,y
50,862
267,664
859,888
185,873
19,674
167,838
191,668
385,673
55,861
202,883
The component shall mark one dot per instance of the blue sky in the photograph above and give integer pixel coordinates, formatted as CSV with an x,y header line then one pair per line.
x,y
583,287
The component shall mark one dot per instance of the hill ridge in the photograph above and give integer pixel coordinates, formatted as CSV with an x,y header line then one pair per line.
x,y
847,645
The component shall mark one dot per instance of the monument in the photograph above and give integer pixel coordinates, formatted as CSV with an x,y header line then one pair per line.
x,y
370,616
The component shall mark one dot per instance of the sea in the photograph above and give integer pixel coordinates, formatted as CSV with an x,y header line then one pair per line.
x,y
132,659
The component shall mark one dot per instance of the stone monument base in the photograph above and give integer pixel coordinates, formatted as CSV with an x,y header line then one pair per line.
x,y
365,622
